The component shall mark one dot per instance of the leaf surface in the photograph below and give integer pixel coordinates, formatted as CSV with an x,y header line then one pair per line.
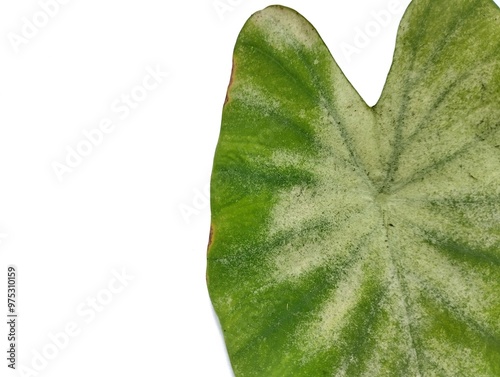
x,y
350,240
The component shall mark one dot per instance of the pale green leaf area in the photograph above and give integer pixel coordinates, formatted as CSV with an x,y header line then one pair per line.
x,y
350,240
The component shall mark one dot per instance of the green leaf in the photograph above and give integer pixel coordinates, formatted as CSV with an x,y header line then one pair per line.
x,y
350,240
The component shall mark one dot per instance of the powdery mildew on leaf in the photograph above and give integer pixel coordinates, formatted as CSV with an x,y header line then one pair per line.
x,y
358,241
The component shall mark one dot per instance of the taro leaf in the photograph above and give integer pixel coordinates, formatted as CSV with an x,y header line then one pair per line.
x,y
350,240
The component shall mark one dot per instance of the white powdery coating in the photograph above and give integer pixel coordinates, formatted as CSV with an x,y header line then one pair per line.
x,y
330,136
438,92
304,254
284,30
465,290
462,161
463,359
459,201
450,223
346,206
254,97
357,212
324,330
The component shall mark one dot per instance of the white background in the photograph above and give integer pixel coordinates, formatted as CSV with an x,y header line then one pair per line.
x,y
136,202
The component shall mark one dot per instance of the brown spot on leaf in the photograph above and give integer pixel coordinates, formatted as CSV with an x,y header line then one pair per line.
x,y
210,237
230,82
